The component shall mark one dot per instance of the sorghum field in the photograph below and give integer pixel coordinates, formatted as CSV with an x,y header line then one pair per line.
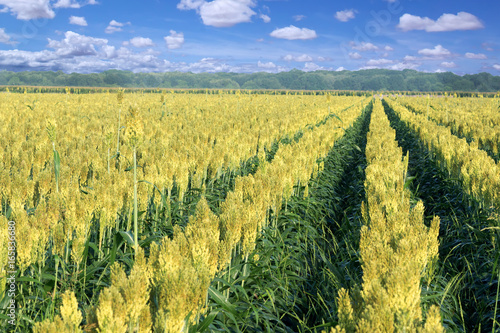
x,y
238,211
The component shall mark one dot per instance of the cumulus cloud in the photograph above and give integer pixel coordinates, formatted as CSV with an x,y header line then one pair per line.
x,y
29,9
298,18
67,4
175,40
497,67
265,18
221,13
470,55
109,51
85,54
75,44
4,37
311,66
300,58
447,22
340,69
115,26
140,42
448,64
26,60
226,13
399,66
190,4
122,59
355,55
39,9
293,33
345,15
363,46
378,62
388,48
437,51
266,65
78,20
411,58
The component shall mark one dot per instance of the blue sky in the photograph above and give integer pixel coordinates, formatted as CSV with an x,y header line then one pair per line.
x,y
249,35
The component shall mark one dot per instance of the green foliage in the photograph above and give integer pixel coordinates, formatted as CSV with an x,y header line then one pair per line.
x,y
466,276
367,80
305,255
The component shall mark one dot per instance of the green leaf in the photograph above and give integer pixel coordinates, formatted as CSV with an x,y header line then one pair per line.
x,y
128,236
57,164
207,321
27,279
221,300
333,114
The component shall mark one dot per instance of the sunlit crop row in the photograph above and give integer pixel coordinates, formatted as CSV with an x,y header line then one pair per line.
x,y
478,172
179,137
395,247
474,118
179,270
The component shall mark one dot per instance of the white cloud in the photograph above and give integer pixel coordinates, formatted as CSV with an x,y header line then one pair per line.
x,y
115,26
4,37
388,48
345,15
447,64
298,18
340,69
470,55
303,58
226,13
447,22
403,65
311,66
411,58
175,40
300,58
39,9
497,67
67,4
222,13
265,18
78,20
29,9
75,44
293,33
378,62
141,42
97,56
437,51
190,4
109,51
26,60
355,55
266,65
363,46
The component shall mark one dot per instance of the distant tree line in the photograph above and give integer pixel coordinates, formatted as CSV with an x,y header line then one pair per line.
x,y
368,80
